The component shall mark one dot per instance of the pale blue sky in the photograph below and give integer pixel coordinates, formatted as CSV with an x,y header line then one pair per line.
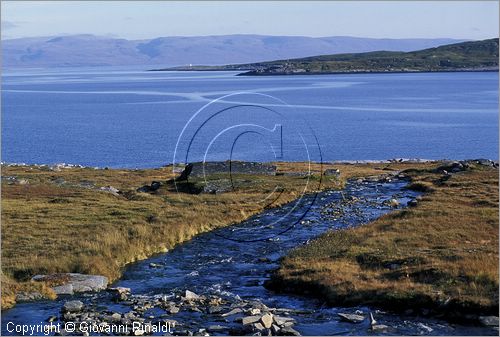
x,y
141,19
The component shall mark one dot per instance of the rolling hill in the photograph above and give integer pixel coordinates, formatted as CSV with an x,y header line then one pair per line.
x,y
89,50
465,56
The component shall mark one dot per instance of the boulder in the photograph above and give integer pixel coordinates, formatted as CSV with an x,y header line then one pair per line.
x,y
110,189
232,312
258,326
189,295
283,321
289,331
267,320
155,185
351,318
217,328
78,282
393,203
331,173
488,320
28,296
73,306
379,327
185,173
65,289
452,167
412,203
254,311
250,320
120,293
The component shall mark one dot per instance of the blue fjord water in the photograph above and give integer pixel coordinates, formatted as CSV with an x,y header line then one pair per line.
x,y
133,118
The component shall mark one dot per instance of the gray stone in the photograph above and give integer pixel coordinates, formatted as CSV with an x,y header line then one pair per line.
x,y
189,295
332,172
28,296
79,282
275,329
232,312
283,321
379,327
216,328
393,203
173,309
254,311
427,328
120,293
352,318
110,189
65,289
267,320
258,326
250,320
412,203
73,306
488,320
289,331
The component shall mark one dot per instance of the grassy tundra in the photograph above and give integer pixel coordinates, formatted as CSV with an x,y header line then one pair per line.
x,y
56,221
441,255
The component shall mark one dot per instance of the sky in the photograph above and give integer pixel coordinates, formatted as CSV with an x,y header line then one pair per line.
x,y
149,19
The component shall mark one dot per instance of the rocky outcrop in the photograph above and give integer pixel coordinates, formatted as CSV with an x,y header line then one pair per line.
x,y
464,165
155,185
236,316
70,283
231,167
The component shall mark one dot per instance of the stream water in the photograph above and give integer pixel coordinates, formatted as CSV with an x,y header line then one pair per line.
x,y
234,262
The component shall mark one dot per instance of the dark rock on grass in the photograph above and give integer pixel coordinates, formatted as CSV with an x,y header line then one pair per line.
x,y
331,173
463,165
155,185
110,189
232,167
218,186
412,203
185,173
452,167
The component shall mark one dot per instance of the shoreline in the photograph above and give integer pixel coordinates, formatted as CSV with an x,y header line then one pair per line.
x,y
62,165
251,72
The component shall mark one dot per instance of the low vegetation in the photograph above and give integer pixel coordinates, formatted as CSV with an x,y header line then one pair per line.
x,y
56,221
465,56
439,256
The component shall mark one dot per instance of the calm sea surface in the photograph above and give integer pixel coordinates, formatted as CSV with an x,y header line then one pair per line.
x,y
125,118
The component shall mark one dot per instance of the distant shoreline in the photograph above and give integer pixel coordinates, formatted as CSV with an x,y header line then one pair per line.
x,y
326,162
254,73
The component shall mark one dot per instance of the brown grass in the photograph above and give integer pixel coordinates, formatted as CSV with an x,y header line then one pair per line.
x,y
54,228
440,255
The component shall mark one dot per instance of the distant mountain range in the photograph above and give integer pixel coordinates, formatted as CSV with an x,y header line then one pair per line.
x,y
90,50
464,56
